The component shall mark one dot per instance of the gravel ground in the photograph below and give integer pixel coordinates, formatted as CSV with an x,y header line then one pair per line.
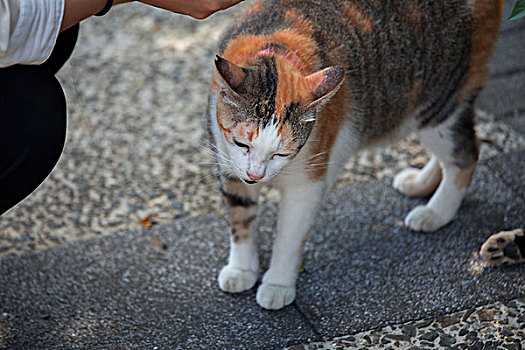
x,y
495,326
137,88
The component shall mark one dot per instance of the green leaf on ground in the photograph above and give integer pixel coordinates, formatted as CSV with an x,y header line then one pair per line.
x,y
519,10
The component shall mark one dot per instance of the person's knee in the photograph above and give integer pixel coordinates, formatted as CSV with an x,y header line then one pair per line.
x,y
32,130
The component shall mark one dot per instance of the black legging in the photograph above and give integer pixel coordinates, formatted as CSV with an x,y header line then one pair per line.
x,y
32,122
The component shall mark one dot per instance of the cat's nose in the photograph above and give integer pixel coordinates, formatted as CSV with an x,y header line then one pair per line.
x,y
254,177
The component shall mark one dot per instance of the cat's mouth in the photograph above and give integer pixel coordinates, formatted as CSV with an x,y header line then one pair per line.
x,y
250,182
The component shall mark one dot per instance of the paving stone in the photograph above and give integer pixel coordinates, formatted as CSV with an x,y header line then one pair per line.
x,y
504,96
508,55
362,270
350,269
430,336
122,291
446,340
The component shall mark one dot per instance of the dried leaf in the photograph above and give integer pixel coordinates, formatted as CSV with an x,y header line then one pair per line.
x,y
146,222
149,220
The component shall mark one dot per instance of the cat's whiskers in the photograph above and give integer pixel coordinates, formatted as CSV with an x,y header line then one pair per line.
x,y
221,157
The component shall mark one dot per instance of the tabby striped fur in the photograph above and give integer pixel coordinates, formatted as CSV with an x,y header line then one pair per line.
x,y
301,86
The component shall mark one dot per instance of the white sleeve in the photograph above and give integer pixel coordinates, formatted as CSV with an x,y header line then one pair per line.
x,y
28,30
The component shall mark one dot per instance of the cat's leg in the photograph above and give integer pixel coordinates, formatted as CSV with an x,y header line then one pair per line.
x,y
419,182
299,204
243,263
453,143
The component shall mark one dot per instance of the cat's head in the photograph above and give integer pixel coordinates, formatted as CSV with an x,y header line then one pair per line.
x,y
266,112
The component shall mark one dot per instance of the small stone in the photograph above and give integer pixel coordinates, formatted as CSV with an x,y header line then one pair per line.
x,y
74,215
486,315
476,346
463,332
409,331
448,321
468,313
472,335
386,157
5,246
446,340
176,205
490,346
426,343
385,340
510,346
297,347
507,332
430,336
424,323
398,337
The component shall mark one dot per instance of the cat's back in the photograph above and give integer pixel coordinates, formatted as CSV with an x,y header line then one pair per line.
x,y
398,54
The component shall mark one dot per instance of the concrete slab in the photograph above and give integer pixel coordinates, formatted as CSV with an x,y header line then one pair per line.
x,y
504,96
517,123
364,270
510,26
135,291
509,54
157,288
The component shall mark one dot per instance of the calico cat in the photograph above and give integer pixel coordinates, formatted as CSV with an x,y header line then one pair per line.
x,y
301,86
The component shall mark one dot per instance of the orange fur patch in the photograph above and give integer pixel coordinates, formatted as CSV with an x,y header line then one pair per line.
x,y
291,87
464,177
329,122
243,50
358,19
487,20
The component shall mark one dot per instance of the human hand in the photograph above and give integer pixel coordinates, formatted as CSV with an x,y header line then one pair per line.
x,y
199,9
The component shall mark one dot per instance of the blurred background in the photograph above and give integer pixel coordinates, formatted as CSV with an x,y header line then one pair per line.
x,y
137,87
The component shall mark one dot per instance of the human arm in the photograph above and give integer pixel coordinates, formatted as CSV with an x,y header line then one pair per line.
x,y
29,28
199,9
77,10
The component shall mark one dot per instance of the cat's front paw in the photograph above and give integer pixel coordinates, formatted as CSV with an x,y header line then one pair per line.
x,y
423,218
234,280
273,297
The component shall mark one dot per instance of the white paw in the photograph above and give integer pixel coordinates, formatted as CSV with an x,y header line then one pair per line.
x,y
271,296
423,218
404,180
234,280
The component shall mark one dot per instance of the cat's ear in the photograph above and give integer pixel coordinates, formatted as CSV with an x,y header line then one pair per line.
x,y
324,84
230,74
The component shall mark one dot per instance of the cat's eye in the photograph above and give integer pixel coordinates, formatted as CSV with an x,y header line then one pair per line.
x,y
242,145
281,155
